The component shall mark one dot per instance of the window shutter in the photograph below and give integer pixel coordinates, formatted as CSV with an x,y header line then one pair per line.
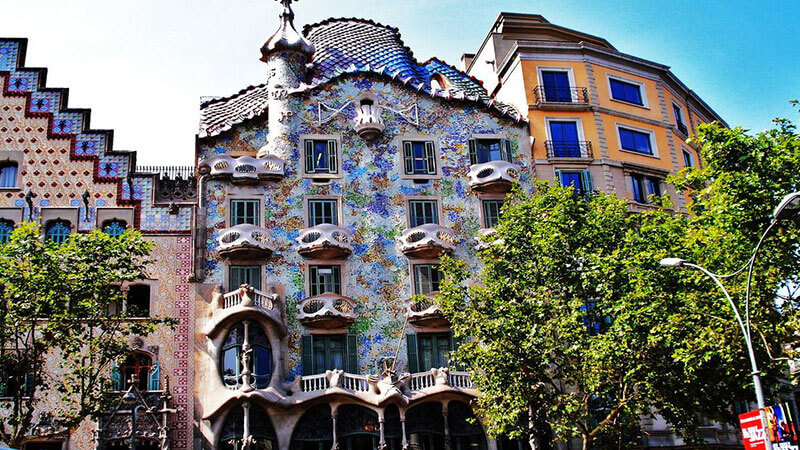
x,y
308,354
430,154
154,381
333,166
473,152
454,344
117,383
408,157
29,386
413,359
508,154
586,180
558,178
352,354
309,156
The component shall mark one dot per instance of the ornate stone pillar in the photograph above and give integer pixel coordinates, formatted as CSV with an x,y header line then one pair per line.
x,y
246,357
448,444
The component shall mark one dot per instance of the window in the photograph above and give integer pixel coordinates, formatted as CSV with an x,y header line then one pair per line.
x,y
643,186
8,174
581,180
679,123
429,350
564,139
260,361
626,92
426,278
249,275
57,231
138,300
114,228
138,366
6,228
324,279
595,322
323,211
419,157
635,141
244,212
491,212
485,150
556,86
688,161
422,212
329,352
321,156
13,378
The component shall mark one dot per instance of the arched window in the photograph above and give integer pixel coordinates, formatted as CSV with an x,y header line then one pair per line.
x,y
58,231
138,366
114,228
425,426
357,427
465,430
8,174
261,429
6,228
439,82
259,357
314,431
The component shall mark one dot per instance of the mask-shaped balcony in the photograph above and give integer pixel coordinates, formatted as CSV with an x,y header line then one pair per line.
x,y
368,122
245,241
324,241
326,311
493,176
427,241
243,169
425,313
485,238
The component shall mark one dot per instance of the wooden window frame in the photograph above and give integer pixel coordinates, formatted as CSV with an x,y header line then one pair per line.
x,y
400,144
410,198
307,210
319,137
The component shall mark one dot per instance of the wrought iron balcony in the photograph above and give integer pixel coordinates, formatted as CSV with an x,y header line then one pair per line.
x,y
324,241
368,122
326,311
493,176
569,149
425,312
555,97
243,169
427,241
245,241
682,128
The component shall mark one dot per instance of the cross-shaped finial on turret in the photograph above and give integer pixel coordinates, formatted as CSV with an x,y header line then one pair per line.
x,y
286,3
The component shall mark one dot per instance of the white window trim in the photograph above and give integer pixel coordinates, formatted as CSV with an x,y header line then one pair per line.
x,y
651,133
302,149
686,151
399,140
577,120
642,90
683,116
570,75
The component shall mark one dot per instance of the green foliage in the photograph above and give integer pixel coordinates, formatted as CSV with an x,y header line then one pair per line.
x,y
575,327
57,334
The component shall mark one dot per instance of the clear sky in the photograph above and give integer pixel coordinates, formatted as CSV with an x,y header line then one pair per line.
x,y
142,65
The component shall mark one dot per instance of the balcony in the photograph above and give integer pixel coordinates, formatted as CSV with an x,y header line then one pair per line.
x,y
427,241
243,169
569,149
242,302
426,312
682,128
408,385
570,98
368,122
245,241
247,296
324,241
486,237
493,176
326,311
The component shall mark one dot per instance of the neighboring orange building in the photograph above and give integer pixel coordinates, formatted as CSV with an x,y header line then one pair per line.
x,y
599,119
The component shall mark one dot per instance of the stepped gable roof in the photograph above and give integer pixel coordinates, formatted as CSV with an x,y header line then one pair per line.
x,y
350,46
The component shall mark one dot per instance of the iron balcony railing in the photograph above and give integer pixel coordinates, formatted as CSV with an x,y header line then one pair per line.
x,y
682,128
548,94
569,149
169,172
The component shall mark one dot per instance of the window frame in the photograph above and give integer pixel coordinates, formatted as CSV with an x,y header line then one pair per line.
x,y
53,223
578,125
238,265
415,281
400,142
651,134
570,76
18,157
319,137
317,263
679,119
489,198
586,177
110,222
642,90
489,137
417,198
150,297
237,200
436,337
307,208
686,152
631,178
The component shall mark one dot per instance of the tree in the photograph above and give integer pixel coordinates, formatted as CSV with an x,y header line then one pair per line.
x,y
59,333
573,328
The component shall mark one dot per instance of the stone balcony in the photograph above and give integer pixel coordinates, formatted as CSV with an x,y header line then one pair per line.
x,y
244,301
326,311
245,241
368,122
243,169
493,176
485,238
425,313
324,241
427,241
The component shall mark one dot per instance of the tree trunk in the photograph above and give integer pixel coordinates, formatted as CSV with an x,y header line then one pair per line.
x,y
587,440
532,441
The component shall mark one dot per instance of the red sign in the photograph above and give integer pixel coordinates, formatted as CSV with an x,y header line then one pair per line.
x,y
753,430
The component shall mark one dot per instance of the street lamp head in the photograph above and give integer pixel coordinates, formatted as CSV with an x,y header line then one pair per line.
x,y
672,262
789,206
129,399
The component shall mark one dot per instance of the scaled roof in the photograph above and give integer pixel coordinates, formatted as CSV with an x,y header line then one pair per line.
x,y
347,46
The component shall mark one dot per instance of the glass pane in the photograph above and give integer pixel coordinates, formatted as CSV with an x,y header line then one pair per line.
x,y
230,365
572,179
443,350
8,175
565,140
250,275
426,352
6,228
320,156
491,212
114,228
420,160
423,212
488,150
244,212
556,86
323,211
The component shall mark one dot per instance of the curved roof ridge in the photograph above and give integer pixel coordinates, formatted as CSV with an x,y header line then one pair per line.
x,y
226,98
451,66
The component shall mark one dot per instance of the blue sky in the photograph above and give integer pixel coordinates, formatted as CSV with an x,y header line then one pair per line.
x,y
142,65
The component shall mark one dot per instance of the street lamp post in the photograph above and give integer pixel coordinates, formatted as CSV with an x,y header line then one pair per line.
x,y
129,399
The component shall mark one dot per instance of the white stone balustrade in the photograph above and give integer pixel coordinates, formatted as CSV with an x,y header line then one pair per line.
x,y
436,379
245,241
247,296
485,238
493,176
243,169
425,312
327,310
368,122
427,241
324,241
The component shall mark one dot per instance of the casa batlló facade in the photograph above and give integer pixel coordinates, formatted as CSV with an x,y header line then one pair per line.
x,y
318,204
